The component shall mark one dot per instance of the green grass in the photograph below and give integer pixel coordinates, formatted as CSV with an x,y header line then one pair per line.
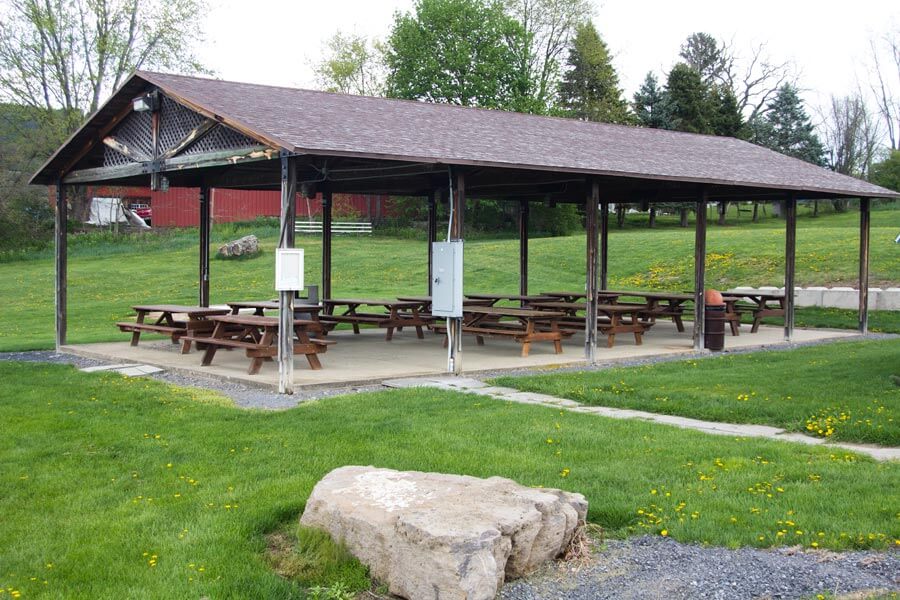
x,y
840,391
107,275
116,487
880,321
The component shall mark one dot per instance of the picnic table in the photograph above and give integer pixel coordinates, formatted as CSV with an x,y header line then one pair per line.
x,y
400,314
495,298
174,320
611,323
258,336
602,296
761,305
524,325
260,306
426,301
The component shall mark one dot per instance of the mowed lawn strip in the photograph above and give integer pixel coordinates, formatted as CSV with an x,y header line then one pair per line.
x,y
841,391
116,487
107,275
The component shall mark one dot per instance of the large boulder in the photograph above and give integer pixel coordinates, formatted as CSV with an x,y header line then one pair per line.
x,y
435,536
249,244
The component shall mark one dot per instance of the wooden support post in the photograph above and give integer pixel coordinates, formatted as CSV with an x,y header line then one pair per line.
x,y
790,253
457,222
523,247
864,265
590,287
432,236
62,264
204,244
286,298
326,243
700,269
604,245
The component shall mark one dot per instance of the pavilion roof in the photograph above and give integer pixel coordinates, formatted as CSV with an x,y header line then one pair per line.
x,y
329,124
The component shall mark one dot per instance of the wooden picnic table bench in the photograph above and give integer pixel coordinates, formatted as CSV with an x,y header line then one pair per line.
x,y
258,336
174,320
524,325
761,305
401,313
658,304
610,319
571,296
260,306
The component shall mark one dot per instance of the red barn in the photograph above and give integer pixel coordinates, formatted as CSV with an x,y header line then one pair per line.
x,y
180,207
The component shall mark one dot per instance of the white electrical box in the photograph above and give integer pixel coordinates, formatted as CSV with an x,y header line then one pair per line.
x,y
288,269
447,279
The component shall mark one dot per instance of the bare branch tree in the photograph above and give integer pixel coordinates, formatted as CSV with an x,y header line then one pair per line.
x,y
886,85
851,134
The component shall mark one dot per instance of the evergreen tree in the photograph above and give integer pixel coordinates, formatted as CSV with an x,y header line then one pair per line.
x,y
786,128
726,118
590,87
650,104
688,100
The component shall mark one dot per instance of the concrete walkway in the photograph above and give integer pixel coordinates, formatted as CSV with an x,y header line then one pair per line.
x,y
475,386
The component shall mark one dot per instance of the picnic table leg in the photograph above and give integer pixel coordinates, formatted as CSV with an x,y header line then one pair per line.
x,y
303,337
185,344
638,329
210,351
557,340
614,320
257,361
419,333
526,344
136,334
676,318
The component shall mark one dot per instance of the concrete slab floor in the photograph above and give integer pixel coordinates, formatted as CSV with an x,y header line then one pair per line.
x,y
367,358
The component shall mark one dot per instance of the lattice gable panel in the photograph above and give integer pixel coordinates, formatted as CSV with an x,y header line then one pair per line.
x,y
176,123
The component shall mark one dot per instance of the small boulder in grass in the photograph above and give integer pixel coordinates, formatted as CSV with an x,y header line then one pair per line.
x,y
431,535
245,246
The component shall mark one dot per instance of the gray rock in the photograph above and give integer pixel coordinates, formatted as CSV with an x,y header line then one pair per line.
x,y
249,244
430,535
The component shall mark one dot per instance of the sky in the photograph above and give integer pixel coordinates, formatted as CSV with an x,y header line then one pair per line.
x,y
278,41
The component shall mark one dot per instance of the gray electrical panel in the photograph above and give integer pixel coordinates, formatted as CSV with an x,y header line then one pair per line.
x,y
447,279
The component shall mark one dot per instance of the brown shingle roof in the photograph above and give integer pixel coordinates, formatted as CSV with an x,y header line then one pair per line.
x,y
323,123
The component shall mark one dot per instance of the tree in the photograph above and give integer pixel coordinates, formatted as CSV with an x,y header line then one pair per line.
x,y
351,65
725,114
687,100
458,52
650,104
60,58
886,173
886,87
702,52
851,135
590,87
785,127
550,26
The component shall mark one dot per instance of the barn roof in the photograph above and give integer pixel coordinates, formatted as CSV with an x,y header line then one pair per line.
x,y
329,124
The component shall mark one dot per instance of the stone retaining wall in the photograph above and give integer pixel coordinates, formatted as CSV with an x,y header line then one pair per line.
x,y
839,297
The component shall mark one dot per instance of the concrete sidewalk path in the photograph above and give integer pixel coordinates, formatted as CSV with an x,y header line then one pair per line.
x,y
475,386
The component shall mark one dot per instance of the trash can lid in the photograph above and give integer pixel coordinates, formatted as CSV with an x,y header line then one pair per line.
x,y
713,298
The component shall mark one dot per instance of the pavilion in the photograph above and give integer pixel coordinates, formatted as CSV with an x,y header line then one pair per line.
x,y
193,132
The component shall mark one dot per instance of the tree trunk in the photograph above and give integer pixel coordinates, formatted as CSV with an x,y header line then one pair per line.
x,y
652,217
684,216
620,216
755,212
815,208
840,205
723,209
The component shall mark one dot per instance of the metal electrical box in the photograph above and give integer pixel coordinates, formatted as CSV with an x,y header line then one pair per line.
x,y
447,279
288,269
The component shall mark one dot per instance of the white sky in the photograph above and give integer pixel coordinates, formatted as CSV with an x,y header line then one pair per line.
x,y
277,41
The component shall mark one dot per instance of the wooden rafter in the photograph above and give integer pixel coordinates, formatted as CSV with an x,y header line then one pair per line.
x,y
125,150
195,134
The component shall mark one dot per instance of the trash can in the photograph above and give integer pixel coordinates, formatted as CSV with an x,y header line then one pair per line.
x,y
714,328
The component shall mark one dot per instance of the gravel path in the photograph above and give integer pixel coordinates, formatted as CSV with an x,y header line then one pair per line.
x,y
657,567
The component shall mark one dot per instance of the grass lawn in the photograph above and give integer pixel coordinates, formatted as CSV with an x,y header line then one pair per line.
x,y
129,488
841,391
107,275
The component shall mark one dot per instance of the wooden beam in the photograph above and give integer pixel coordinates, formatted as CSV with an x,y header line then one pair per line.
x,y
457,229
195,134
432,237
326,243
604,245
62,264
286,298
125,150
101,134
523,247
790,254
204,244
700,269
590,322
864,226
